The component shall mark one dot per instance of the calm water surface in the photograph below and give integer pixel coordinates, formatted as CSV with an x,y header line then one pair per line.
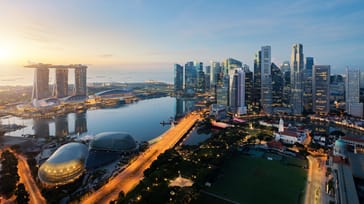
x,y
141,119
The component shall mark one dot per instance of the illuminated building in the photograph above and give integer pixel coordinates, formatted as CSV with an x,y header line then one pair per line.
x,y
266,80
296,79
352,93
321,89
64,166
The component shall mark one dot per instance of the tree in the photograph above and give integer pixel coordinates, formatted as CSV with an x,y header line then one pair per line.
x,y
22,196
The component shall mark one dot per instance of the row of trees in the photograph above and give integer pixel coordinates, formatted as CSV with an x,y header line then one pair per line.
x,y
8,174
9,178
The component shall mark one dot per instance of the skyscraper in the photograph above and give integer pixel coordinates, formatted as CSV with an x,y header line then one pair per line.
x,y
231,63
237,91
266,80
337,92
190,78
320,89
41,83
215,73
207,78
60,88
296,79
222,91
257,80
178,79
249,89
200,87
286,71
307,85
277,86
352,93
80,81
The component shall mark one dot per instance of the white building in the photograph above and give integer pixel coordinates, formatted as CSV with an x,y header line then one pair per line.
x,y
289,135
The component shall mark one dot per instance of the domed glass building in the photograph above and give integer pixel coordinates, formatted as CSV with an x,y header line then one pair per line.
x,y
114,141
108,147
65,165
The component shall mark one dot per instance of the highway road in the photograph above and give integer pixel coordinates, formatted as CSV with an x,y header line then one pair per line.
x,y
315,187
130,176
26,178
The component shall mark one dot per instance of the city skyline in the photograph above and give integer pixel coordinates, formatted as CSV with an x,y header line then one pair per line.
x,y
146,34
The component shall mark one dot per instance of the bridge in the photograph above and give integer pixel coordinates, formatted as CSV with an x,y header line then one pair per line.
x,y
131,175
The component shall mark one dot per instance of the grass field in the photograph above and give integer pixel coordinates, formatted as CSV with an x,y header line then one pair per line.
x,y
258,180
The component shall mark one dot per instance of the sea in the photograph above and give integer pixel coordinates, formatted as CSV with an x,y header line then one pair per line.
x,y
21,76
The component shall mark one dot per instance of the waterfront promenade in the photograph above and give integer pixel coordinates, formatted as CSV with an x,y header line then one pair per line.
x,y
130,176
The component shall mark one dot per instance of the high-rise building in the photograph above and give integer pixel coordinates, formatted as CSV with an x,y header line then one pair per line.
x,y
178,79
200,88
41,84
215,73
231,63
352,93
307,85
249,89
237,92
286,71
222,91
257,80
80,81
60,88
337,92
232,70
266,80
190,78
321,89
297,66
207,78
285,67
277,86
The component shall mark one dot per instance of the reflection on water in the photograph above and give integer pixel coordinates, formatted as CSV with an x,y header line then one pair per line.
x,y
141,120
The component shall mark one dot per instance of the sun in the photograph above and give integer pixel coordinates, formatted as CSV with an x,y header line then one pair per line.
x,y
4,54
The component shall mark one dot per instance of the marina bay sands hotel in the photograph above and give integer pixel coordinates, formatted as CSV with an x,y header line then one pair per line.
x,y
41,88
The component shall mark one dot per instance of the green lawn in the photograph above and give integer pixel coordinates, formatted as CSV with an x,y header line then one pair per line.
x,y
258,180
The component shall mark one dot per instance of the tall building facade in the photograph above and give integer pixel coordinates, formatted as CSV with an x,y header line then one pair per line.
x,y
266,80
80,81
41,84
286,72
237,91
321,89
337,92
297,65
257,80
307,85
352,93
249,89
215,76
277,86
222,91
200,86
190,78
60,88
178,79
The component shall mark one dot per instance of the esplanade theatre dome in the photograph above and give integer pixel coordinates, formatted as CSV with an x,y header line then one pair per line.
x,y
65,165
114,141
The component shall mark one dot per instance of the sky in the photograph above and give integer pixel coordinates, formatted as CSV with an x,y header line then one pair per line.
x,y
159,33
